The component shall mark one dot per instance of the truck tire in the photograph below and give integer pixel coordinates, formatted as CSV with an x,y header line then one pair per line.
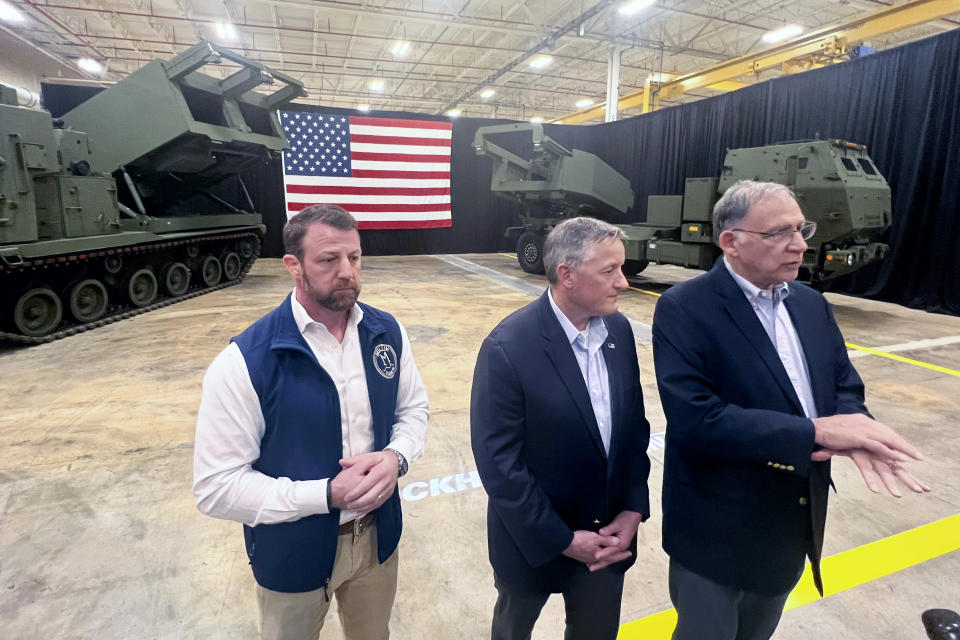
x,y
633,267
530,252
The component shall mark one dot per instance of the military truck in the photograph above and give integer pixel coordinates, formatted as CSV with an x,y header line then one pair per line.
x,y
553,185
836,184
99,212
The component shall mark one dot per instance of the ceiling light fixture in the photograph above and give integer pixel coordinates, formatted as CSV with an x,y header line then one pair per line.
x,y
90,65
540,62
453,113
487,93
584,103
783,33
401,48
630,8
536,120
363,107
9,14
226,30
376,85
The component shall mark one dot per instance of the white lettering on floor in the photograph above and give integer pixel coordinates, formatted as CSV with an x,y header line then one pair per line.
x,y
457,482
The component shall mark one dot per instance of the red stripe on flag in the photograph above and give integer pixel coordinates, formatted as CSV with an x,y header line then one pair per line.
x,y
405,224
423,142
410,175
399,122
369,191
379,208
397,157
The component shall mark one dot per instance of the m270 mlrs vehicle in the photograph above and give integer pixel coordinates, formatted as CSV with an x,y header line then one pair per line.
x,y
92,226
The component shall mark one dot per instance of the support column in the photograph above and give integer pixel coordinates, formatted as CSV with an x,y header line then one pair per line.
x,y
613,83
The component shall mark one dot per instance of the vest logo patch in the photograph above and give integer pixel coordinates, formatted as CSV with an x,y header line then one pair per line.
x,y
385,360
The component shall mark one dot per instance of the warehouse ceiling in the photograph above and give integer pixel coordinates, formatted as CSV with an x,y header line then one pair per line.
x,y
432,56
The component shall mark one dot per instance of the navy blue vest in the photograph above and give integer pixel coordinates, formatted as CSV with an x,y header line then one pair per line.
x,y
303,439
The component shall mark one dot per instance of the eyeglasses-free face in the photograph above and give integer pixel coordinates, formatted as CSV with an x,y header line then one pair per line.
x,y
806,229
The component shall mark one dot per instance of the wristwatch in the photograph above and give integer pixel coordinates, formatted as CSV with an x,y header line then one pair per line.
x,y
401,462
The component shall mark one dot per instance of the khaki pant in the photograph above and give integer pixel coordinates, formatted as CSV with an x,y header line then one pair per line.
x,y
364,589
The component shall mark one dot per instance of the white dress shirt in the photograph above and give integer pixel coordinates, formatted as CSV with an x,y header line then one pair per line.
x,y
586,347
773,315
230,426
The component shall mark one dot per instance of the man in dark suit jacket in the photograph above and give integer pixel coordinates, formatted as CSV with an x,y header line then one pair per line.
x,y
559,435
758,393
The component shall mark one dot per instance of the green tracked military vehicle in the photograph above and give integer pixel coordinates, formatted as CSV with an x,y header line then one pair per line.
x,y
91,222
835,182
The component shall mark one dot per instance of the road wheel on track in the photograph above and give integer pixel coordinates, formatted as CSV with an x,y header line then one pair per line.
x,y
530,252
193,251
88,300
175,278
246,247
141,287
210,271
232,265
113,264
37,312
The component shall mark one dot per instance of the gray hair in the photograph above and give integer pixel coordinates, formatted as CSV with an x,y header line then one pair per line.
x,y
328,214
571,241
737,200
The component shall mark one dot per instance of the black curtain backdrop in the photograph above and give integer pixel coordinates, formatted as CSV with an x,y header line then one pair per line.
x,y
903,103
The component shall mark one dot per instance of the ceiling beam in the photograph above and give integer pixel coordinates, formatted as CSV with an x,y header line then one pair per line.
x,y
544,44
827,39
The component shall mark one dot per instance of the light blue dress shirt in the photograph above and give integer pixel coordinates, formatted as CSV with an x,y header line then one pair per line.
x,y
586,346
773,315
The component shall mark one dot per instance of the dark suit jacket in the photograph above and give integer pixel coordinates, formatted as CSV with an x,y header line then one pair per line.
x,y
743,504
538,449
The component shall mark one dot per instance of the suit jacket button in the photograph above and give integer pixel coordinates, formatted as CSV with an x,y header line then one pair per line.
x,y
803,501
790,468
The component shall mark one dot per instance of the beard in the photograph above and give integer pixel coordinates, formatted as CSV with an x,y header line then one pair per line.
x,y
341,299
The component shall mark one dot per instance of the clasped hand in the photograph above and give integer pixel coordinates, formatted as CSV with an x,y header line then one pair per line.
x,y
608,545
366,482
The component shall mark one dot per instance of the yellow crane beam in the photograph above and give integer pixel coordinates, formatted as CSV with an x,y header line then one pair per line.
x,y
829,41
635,99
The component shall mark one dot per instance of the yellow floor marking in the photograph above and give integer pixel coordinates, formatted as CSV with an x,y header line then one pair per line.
x,y
649,293
841,571
509,255
893,356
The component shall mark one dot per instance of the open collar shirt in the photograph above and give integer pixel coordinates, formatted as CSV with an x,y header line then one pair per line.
x,y
773,315
587,349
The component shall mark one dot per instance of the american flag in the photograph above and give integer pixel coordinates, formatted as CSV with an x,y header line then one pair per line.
x,y
390,173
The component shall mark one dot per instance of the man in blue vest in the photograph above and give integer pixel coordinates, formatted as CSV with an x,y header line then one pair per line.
x,y
307,420
758,393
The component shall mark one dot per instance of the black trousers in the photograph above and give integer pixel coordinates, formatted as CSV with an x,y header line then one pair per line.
x,y
707,610
591,600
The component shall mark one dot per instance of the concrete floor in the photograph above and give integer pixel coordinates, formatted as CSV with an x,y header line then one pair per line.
x,y
99,535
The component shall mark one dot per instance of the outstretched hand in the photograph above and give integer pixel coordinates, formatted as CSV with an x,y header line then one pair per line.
x,y
853,431
877,472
